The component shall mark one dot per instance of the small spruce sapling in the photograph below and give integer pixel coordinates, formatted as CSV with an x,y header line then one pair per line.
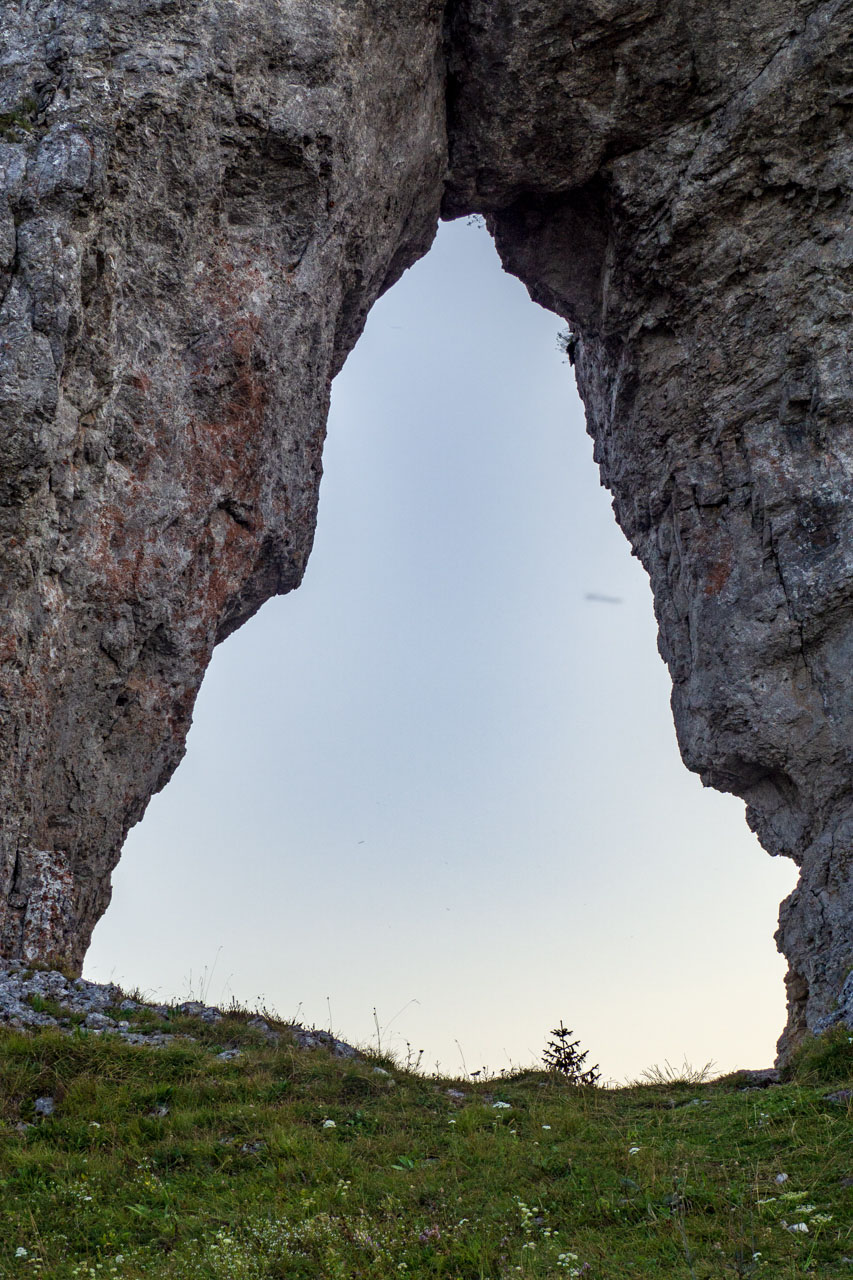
x,y
562,1056
567,343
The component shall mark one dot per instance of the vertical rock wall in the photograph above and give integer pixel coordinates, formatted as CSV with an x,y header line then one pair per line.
x,y
199,202
676,181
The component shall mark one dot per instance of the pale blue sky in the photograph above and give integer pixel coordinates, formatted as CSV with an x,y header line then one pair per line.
x,y
437,778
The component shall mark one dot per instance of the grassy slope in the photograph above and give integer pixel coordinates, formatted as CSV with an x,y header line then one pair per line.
x,y
172,1163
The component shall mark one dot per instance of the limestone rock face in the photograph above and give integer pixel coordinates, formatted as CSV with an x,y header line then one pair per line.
x,y
676,181
200,200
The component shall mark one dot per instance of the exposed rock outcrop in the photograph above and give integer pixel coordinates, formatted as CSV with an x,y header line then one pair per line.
x,y
685,199
38,998
201,202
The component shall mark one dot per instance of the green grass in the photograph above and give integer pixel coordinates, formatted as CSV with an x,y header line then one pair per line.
x,y
172,1163
16,124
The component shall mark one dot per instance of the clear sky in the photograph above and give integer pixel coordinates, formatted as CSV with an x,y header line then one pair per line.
x,y
439,781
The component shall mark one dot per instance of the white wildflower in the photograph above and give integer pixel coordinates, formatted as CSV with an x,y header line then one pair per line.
x,y
329,1124
502,1105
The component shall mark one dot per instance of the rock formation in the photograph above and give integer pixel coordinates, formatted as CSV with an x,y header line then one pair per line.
x,y
200,202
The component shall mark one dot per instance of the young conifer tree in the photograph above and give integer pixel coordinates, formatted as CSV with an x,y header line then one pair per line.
x,y
562,1054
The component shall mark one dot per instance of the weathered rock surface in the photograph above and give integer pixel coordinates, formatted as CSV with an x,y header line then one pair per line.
x,y
37,998
199,204
685,199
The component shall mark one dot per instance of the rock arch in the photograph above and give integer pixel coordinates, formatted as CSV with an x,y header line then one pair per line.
x,y
199,204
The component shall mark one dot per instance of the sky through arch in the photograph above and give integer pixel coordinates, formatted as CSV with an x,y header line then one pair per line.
x,y
440,780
